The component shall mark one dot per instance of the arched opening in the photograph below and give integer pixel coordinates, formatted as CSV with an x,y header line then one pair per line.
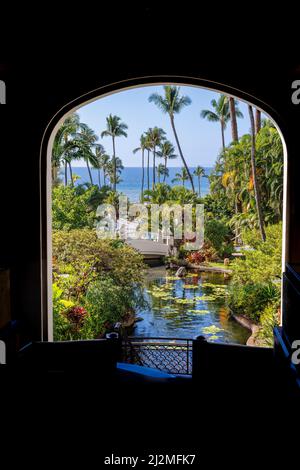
x,y
142,84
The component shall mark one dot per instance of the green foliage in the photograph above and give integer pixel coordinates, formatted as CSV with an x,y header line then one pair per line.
x,y
251,299
255,287
231,181
216,206
60,322
103,276
263,259
269,318
218,235
108,303
74,208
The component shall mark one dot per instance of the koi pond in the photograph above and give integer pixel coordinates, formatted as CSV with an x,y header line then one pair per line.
x,y
188,307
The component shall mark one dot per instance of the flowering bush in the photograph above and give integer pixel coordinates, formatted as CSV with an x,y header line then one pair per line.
x,y
96,283
207,253
76,315
196,257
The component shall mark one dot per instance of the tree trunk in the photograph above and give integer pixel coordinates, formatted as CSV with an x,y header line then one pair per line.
x,y
148,170
181,154
165,169
99,178
234,129
89,170
223,136
143,175
66,174
54,174
115,164
199,185
71,174
254,175
153,172
257,121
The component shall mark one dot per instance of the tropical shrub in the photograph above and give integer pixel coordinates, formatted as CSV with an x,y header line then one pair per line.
x,y
196,257
207,253
97,282
75,207
256,283
218,235
251,299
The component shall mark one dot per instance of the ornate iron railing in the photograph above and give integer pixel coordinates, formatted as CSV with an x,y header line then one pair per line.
x,y
172,355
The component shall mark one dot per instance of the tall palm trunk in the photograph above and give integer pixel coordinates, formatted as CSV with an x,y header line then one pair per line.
x,y
223,135
99,178
199,186
254,175
115,164
257,121
143,174
66,174
148,170
54,173
89,170
235,138
165,174
181,154
153,171
234,128
71,174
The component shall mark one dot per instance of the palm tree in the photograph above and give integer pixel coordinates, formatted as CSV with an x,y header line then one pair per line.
x,y
257,121
63,144
142,147
234,114
172,103
220,114
159,194
114,128
199,172
254,177
102,160
167,152
155,136
114,169
86,144
162,171
183,176
148,148
105,161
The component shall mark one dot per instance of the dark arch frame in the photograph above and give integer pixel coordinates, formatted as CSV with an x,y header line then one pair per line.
x,y
97,93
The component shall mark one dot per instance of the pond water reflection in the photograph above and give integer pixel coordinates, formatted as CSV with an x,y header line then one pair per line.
x,y
188,307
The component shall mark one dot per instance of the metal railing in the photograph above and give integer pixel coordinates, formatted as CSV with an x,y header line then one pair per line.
x,y
172,355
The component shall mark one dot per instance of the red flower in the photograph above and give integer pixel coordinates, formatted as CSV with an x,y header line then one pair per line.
x,y
77,315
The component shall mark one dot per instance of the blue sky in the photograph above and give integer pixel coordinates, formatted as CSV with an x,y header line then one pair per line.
x,y
200,139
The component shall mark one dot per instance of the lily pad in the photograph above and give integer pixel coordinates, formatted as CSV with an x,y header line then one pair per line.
x,y
214,337
198,311
184,301
211,330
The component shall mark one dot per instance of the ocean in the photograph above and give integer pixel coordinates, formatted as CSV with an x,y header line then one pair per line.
x,y
132,178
